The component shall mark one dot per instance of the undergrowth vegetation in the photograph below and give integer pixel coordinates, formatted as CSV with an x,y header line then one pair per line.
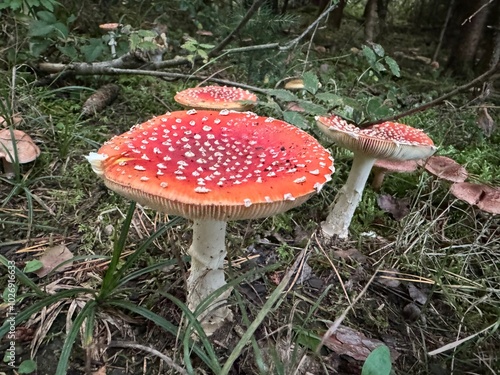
x,y
415,284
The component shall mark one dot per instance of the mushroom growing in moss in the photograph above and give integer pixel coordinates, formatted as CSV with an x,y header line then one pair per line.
x,y
21,145
212,167
388,140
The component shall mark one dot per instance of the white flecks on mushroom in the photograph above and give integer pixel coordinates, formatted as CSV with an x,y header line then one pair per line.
x,y
247,202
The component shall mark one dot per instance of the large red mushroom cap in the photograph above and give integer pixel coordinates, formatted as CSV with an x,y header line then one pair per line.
x,y
218,165
216,97
388,140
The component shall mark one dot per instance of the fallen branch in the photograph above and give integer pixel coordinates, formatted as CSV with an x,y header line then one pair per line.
x,y
437,101
129,61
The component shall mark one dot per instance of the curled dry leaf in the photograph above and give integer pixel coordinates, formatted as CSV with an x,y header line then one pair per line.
x,y
52,257
347,341
398,208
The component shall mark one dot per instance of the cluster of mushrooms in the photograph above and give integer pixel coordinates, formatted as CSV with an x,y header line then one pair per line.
x,y
214,162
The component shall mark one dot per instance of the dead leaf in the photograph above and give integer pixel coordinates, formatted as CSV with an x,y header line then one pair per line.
x,y
52,257
398,208
485,122
347,341
417,295
389,278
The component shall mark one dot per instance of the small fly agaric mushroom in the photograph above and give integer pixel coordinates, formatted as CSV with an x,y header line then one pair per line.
x,y
388,140
21,146
384,166
485,197
445,168
212,167
216,97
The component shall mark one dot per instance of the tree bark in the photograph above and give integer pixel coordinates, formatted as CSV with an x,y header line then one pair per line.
x,y
370,20
472,16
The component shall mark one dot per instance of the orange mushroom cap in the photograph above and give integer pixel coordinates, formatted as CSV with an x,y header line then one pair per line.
x,y
216,97
219,165
445,168
388,140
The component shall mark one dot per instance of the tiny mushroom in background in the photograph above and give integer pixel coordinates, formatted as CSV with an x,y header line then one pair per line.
x,y
25,149
388,140
485,197
111,28
383,166
445,168
217,97
212,167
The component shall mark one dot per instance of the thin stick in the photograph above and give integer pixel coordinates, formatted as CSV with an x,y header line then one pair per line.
x,y
165,358
439,100
256,5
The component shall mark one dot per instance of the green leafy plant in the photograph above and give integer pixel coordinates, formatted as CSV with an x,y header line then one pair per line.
x,y
197,50
378,362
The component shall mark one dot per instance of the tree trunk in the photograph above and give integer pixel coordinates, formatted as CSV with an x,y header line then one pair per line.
x,y
335,17
370,20
472,22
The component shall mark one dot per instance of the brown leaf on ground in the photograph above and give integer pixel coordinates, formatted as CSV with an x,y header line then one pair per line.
x,y
347,341
52,257
389,278
398,208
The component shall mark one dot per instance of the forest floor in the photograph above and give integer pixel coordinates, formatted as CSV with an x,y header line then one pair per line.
x,y
426,267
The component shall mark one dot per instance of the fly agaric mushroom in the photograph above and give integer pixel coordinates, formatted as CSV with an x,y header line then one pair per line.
x,y
216,97
445,168
384,166
212,167
485,197
388,140
25,149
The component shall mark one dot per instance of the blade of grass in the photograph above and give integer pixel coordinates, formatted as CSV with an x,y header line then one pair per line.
x,y
109,281
161,322
37,306
21,276
266,308
62,365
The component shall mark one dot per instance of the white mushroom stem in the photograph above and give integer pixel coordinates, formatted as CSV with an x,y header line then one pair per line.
x,y
348,198
207,252
8,168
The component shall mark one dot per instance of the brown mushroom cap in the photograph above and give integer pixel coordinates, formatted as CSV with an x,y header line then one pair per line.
x,y
389,140
396,165
27,150
214,165
216,97
485,197
109,26
445,168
